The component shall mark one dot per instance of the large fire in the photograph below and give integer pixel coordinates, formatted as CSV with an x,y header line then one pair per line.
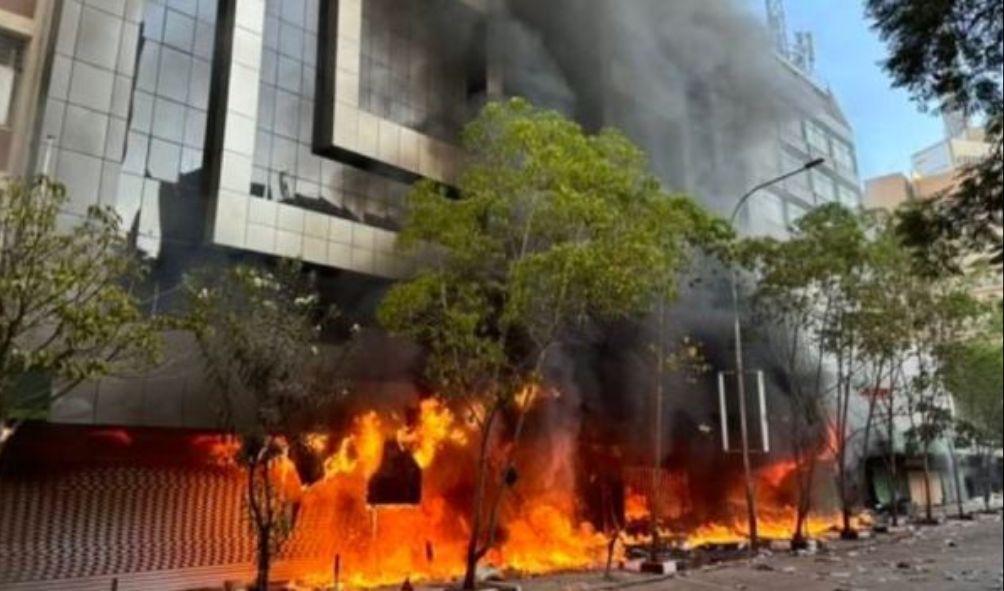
x,y
345,529
376,543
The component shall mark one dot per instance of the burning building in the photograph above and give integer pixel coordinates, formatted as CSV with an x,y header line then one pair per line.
x,y
254,129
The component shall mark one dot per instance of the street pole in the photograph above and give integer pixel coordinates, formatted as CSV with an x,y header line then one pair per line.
x,y
740,375
743,429
657,439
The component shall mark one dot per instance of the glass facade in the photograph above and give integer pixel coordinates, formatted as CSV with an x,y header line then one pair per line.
x,y
10,67
835,181
203,139
286,168
284,164
768,215
126,110
799,183
167,123
848,196
816,136
843,157
823,187
406,74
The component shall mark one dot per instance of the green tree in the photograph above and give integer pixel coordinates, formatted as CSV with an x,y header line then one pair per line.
x,y
812,281
67,307
884,321
951,53
974,375
258,331
943,314
788,319
549,227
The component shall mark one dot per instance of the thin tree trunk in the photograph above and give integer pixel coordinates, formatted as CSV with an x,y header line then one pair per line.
x,y
510,465
955,477
470,573
804,501
891,463
928,511
263,562
866,438
843,389
985,462
612,526
257,504
611,545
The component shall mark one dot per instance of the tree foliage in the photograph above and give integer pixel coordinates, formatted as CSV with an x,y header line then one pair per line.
x,y
942,313
974,374
885,332
837,291
549,228
258,331
67,303
813,283
951,53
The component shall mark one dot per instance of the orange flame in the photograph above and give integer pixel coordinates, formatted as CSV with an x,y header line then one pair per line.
x,y
540,529
436,427
380,545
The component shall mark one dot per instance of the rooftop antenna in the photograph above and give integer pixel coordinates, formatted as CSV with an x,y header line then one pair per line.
x,y
804,55
777,24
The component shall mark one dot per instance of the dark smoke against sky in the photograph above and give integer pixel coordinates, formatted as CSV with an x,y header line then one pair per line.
x,y
696,85
693,82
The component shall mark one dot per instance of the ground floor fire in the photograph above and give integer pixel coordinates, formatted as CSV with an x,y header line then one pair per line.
x,y
384,497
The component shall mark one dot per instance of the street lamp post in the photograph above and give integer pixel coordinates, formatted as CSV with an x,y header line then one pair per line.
x,y
737,326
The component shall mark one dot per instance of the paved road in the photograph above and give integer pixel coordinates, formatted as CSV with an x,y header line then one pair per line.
x,y
965,556
956,556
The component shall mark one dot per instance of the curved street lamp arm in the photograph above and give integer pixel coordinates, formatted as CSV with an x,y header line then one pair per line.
x,y
742,200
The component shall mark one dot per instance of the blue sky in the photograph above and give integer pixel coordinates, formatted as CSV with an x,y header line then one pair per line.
x,y
888,126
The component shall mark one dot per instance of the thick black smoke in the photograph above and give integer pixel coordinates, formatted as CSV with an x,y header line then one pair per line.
x,y
695,84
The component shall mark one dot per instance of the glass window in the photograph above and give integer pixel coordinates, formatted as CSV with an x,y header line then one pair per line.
x,y
848,196
168,109
792,131
772,209
795,212
10,67
843,157
285,167
799,183
823,187
766,215
408,72
818,142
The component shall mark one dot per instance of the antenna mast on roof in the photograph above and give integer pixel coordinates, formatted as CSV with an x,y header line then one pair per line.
x,y
777,24
804,55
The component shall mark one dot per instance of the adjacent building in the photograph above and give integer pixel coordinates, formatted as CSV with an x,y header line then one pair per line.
x,y
25,37
936,171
